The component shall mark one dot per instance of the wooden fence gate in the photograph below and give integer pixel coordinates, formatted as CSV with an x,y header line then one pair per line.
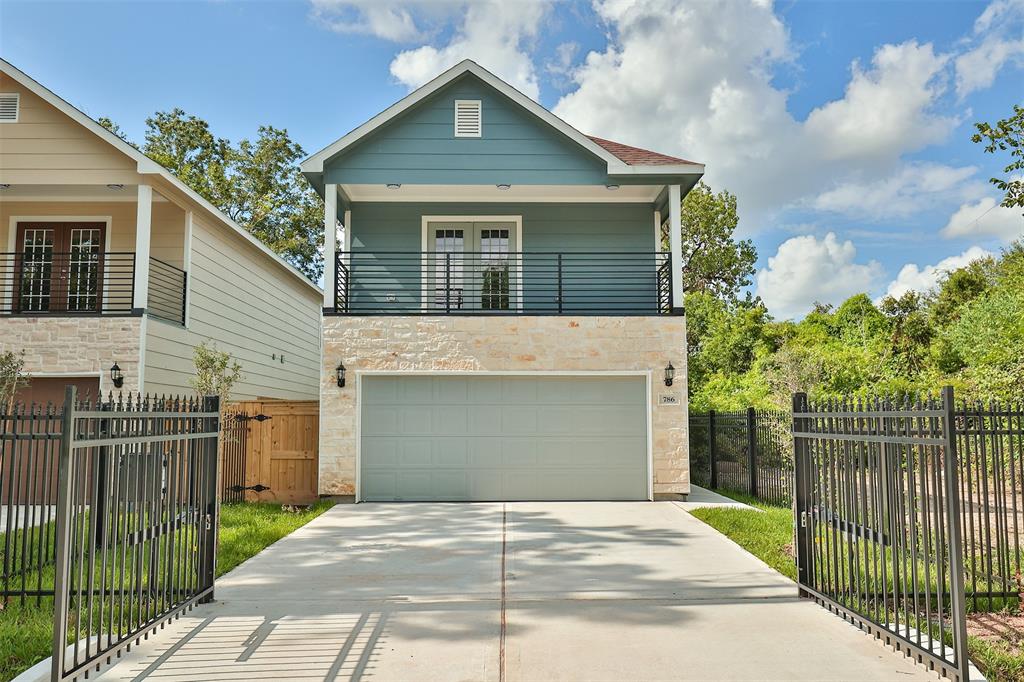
x,y
281,450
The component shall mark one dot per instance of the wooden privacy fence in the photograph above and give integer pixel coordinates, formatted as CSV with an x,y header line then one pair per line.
x,y
270,452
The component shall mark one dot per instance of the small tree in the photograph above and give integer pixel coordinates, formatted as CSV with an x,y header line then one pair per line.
x,y
12,377
1006,135
216,372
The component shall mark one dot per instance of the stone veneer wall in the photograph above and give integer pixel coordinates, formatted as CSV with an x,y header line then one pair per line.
x,y
84,345
468,343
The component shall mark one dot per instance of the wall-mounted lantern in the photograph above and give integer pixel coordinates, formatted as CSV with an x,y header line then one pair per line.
x,y
670,374
116,376
340,371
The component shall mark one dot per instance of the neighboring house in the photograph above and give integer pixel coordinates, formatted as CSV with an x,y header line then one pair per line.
x,y
105,257
501,304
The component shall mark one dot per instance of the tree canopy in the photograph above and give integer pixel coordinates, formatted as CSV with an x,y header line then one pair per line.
x,y
714,262
969,332
257,183
1007,135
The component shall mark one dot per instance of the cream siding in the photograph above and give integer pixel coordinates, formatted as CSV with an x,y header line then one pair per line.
x,y
46,147
251,308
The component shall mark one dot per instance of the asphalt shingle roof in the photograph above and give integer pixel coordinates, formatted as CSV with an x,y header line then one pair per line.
x,y
634,156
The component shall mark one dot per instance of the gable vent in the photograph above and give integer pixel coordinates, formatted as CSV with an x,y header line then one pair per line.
x,y
8,107
468,118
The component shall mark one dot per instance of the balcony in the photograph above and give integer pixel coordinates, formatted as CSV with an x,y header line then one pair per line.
x,y
86,283
510,283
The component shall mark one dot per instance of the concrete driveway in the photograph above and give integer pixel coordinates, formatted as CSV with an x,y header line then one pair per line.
x,y
524,591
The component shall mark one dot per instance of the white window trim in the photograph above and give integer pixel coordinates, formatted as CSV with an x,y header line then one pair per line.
x,y
480,111
646,373
17,106
425,247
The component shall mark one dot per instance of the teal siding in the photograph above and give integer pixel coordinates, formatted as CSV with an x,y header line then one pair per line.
x,y
383,228
420,147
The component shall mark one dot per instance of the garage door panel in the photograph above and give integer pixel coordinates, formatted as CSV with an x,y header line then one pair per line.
x,y
517,420
450,419
503,438
517,453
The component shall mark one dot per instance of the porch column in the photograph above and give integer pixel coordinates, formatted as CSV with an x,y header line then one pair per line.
x,y
330,241
675,241
143,229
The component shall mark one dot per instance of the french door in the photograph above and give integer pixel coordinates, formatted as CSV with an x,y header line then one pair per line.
x,y
60,267
470,266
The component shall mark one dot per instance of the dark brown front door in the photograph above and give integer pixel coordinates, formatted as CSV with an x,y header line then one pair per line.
x,y
60,267
43,390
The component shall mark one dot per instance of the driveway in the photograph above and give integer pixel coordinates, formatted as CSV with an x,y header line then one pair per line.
x,y
523,591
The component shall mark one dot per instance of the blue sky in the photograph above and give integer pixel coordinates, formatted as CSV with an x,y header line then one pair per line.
x,y
843,127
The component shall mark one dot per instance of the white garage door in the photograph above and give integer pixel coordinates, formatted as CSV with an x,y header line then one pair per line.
x,y
503,438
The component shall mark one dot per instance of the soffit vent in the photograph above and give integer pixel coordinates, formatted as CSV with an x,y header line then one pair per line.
x,y
468,118
9,107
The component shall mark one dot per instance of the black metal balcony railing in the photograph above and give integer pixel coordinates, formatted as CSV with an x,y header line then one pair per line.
x,y
83,283
167,286
530,283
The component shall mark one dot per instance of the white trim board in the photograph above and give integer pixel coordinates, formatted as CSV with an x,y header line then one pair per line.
x,y
359,374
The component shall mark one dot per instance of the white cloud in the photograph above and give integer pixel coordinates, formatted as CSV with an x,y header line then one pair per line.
x,y
497,35
910,189
695,79
998,39
886,108
923,280
807,269
985,218
387,19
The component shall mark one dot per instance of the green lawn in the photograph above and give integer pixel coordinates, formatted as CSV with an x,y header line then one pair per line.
x,y
768,535
26,631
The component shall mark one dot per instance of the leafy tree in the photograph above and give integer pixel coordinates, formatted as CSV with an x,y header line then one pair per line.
x,y
113,127
713,261
257,183
1006,135
910,332
216,372
12,377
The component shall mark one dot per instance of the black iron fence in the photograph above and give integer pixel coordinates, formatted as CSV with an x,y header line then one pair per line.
x,y
749,452
532,283
29,451
878,522
233,454
80,283
167,287
136,522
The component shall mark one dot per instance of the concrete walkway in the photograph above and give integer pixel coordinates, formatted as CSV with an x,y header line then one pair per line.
x,y
526,591
702,497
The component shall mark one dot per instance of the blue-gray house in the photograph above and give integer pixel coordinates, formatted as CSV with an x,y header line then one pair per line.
x,y
502,320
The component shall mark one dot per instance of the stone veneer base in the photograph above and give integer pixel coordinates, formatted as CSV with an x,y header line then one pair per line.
x,y
494,344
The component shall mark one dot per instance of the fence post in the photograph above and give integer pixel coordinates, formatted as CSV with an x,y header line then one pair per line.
x,y
958,609
752,450
63,534
801,494
712,455
211,510
102,466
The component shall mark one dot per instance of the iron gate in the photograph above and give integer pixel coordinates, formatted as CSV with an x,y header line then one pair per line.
x,y
136,522
879,538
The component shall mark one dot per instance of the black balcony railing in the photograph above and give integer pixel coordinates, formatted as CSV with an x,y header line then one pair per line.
x,y
83,283
524,283
167,286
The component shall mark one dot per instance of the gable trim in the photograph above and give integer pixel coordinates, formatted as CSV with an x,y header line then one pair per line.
x,y
315,163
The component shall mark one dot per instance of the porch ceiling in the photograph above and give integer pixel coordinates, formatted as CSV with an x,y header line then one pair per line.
x,y
514,193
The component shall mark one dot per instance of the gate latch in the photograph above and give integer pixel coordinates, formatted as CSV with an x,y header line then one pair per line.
x,y
258,488
803,519
257,417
